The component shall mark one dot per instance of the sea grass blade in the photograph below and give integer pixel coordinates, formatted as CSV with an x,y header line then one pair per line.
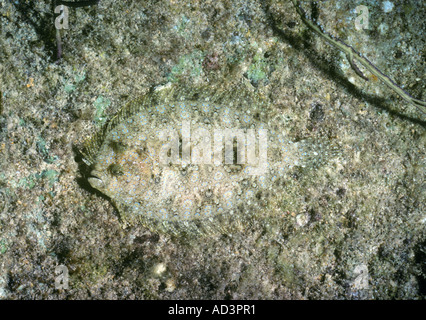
x,y
354,55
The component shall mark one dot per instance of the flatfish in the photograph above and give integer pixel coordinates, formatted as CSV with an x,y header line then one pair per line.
x,y
195,161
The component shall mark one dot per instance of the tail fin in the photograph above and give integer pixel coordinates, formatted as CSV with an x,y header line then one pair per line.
x,y
315,153
308,154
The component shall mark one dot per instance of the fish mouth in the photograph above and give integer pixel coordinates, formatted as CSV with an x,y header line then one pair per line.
x,y
95,181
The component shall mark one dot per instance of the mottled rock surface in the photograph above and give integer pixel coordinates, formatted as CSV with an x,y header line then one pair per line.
x,y
351,230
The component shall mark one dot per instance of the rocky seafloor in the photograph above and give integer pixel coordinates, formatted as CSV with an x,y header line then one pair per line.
x,y
353,230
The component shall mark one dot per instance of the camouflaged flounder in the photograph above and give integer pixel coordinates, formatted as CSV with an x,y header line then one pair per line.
x,y
193,161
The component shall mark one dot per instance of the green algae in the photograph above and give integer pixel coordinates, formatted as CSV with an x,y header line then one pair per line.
x,y
101,103
29,182
188,66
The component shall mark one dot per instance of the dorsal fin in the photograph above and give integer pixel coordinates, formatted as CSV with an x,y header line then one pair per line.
x,y
163,94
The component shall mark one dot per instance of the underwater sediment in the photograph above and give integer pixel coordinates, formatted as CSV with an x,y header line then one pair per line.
x,y
351,227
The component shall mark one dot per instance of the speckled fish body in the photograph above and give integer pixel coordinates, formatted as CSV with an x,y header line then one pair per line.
x,y
196,163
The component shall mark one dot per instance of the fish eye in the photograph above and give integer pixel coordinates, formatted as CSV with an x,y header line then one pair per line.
x,y
142,151
118,146
116,170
